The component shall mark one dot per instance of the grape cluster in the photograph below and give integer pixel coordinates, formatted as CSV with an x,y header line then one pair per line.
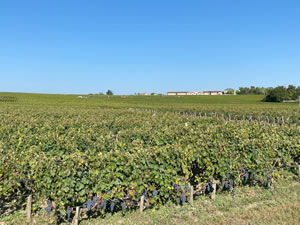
x,y
113,204
102,205
246,175
228,183
49,207
177,188
181,193
187,188
88,204
58,162
24,183
198,193
123,206
145,193
209,187
69,214
269,180
183,198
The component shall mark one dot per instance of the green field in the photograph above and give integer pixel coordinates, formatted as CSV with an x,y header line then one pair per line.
x,y
146,101
240,104
103,153
239,107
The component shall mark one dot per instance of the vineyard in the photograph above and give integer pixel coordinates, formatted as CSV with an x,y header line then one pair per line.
x,y
104,156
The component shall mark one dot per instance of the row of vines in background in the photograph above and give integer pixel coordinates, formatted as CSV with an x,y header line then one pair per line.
x,y
107,159
280,118
227,107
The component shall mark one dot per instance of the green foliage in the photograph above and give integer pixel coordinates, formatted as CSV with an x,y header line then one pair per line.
x,y
279,94
69,149
71,154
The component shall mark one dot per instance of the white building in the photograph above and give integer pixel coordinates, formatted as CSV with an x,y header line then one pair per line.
x,y
195,93
213,92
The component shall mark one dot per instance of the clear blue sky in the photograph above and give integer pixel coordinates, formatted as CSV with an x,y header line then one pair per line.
x,y
89,46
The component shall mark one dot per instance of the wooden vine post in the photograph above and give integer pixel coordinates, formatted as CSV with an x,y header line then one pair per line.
x,y
28,208
214,186
76,217
142,203
191,195
269,185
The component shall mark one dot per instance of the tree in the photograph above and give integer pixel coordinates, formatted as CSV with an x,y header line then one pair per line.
x,y
229,91
109,92
243,91
297,93
291,91
259,90
252,90
277,94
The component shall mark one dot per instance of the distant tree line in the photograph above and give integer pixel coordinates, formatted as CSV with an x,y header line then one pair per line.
x,y
252,90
